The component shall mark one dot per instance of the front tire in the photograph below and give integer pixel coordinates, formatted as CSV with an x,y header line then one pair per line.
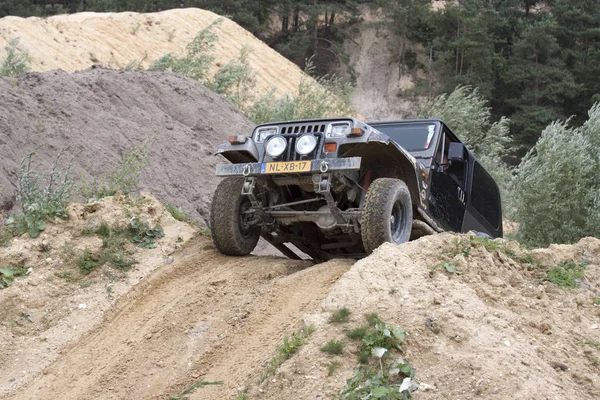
x,y
387,214
232,232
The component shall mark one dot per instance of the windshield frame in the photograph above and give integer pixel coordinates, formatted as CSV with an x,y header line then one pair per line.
x,y
428,153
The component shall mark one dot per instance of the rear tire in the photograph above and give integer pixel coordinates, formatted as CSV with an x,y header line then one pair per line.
x,y
231,233
387,214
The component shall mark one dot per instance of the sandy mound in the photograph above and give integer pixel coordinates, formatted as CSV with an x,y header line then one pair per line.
x,y
106,113
75,42
493,328
54,305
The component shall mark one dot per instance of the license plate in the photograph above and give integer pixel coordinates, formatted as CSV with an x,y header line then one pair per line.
x,y
285,167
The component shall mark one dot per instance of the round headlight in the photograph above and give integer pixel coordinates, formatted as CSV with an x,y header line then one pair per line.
x,y
306,144
276,146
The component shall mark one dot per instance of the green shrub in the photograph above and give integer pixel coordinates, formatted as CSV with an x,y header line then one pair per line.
x,y
124,177
88,261
235,81
198,60
43,197
8,275
357,333
380,374
566,274
143,235
340,315
557,187
466,113
16,62
333,347
327,97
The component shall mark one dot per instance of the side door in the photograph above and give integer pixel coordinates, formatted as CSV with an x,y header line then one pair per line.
x,y
447,200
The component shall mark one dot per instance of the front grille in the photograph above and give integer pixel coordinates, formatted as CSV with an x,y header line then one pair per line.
x,y
291,132
290,153
302,128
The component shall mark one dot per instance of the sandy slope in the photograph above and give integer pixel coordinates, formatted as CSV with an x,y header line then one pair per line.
x,y
205,317
75,42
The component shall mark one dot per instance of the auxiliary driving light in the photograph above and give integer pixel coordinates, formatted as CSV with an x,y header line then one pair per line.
x,y
275,146
306,144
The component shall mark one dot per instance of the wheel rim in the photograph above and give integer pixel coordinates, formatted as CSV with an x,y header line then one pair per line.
x,y
396,221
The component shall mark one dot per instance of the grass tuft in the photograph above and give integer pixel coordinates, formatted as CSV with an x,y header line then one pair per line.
x,y
566,274
333,347
340,315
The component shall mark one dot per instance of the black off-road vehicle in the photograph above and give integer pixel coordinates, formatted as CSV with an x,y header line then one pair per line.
x,y
340,187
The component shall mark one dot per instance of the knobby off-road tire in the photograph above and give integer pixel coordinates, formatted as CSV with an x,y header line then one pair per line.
x,y
387,213
230,231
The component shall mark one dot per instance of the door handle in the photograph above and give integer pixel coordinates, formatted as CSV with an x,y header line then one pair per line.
x,y
461,195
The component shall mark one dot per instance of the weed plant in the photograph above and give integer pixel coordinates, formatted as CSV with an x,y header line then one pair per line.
x,y
289,347
380,374
198,60
114,245
566,274
43,198
191,389
333,347
328,96
340,315
123,178
15,62
8,275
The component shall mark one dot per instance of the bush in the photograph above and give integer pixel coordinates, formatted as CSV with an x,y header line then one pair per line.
x,y
466,113
557,187
333,347
196,64
340,315
235,80
124,176
43,198
16,62
329,96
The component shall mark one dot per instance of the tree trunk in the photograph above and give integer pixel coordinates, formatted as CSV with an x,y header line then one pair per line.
x,y
315,33
297,19
537,79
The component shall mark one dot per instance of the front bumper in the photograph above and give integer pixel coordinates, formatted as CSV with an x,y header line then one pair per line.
x,y
316,166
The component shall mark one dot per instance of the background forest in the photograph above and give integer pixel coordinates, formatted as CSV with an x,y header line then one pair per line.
x,y
535,61
518,80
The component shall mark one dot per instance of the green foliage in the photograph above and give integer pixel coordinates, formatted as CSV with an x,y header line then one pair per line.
x,y
596,301
88,261
15,62
449,267
196,63
340,315
328,97
143,235
8,275
357,333
114,242
466,113
43,197
177,213
289,347
192,388
235,80
333,347
6,233
332,367
123,178
566,274
556,185
380,375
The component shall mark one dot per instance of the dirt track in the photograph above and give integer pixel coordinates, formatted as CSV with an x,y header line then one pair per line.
x,y
205,318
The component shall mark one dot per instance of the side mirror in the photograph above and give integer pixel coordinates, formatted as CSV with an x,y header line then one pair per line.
x,y
456,152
